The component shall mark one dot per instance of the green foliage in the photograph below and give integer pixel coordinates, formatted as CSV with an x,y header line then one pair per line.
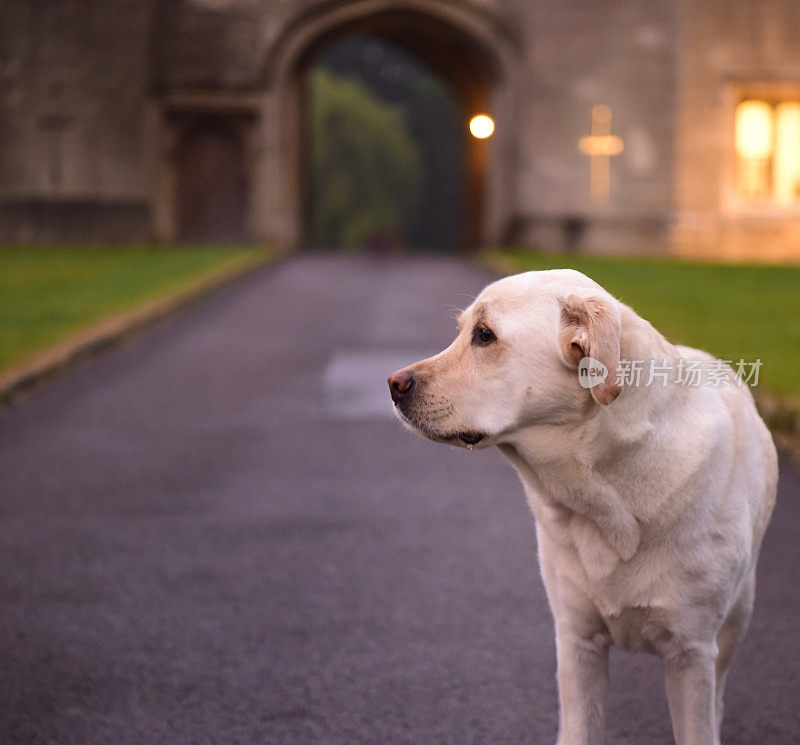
x,y
48,294
435,119
366,170
733,311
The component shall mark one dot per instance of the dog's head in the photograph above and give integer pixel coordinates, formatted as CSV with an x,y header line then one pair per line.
x,y
535,348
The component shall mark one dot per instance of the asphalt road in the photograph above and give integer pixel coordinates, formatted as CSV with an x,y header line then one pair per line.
x,y
216,533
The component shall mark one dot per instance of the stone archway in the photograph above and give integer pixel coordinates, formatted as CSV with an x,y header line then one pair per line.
x,y
466,45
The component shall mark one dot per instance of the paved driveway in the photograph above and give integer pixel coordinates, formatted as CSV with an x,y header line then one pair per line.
x,y
217,534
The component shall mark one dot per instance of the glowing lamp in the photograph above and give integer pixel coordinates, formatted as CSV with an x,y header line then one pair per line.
x,y
481,126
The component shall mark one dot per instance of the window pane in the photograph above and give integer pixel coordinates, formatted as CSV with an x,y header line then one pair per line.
x,y
786,167
754,130
754,146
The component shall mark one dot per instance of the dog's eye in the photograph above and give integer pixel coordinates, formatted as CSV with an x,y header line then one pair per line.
x,y
483,336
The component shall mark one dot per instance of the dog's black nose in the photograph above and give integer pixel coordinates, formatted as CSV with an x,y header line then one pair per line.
x,y
401,383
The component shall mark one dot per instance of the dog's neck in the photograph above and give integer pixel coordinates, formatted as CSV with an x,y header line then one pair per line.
x,y
576,468
635,415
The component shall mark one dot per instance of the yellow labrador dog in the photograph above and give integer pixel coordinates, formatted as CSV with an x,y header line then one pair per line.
x,y
651,492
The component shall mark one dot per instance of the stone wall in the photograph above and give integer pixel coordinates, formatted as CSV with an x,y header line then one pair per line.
x,y
72,95
731,51
93,96
623,55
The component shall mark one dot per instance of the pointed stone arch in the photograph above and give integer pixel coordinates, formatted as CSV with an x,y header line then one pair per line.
x,y
464,42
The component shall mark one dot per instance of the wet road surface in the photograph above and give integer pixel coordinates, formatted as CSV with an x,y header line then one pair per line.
x,y
217,533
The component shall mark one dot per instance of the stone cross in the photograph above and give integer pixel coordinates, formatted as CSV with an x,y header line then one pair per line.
x,y
600,145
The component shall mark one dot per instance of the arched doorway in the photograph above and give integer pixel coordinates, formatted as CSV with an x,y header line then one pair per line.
x,y
212,185
384,150
464,45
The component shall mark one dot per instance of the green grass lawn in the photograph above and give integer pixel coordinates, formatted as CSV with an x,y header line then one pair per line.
x,y
49,294
733,311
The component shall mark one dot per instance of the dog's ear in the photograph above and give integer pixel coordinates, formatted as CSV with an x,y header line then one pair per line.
x,y
590,327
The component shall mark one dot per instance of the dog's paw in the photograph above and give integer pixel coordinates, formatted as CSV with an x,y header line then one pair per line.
x,y
597,556
627,538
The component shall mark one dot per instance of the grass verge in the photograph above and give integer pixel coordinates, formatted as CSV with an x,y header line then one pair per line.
x,y
59,304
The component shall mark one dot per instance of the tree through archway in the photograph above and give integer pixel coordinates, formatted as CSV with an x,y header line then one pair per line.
x,y
385,149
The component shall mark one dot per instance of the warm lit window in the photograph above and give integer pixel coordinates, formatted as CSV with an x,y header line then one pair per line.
x,y
768,151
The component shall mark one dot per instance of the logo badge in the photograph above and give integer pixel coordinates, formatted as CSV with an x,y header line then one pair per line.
x,y
591,372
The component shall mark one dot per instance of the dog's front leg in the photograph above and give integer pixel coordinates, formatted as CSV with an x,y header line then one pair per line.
x,y
691,692
582,687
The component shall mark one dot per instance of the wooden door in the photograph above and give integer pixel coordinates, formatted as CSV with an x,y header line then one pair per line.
x,y
212,186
